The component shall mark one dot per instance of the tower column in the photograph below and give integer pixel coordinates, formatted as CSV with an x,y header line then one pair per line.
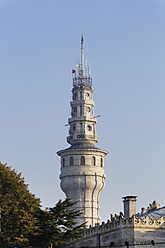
x,y
82,164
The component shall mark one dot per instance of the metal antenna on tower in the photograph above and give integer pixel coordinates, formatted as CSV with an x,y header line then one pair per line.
x,y
82,54
86,67
89,71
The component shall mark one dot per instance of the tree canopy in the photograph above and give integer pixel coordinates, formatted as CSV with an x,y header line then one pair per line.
x,y
18,209
24,223
58,225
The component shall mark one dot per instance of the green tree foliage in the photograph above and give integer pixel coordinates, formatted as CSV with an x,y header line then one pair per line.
x,y
24,224
58,225
18,210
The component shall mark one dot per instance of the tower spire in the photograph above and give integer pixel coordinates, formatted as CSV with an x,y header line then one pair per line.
x,y
82,54
83,77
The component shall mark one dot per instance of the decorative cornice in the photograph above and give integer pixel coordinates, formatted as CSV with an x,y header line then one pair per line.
x,y
81,149
118,222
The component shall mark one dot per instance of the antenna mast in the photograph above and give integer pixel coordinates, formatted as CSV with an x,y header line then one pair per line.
x,y
83,75
82,54
86,72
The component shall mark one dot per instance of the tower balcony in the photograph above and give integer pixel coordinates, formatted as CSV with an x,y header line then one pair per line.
x,y
81,118
82,138
82,102
77,102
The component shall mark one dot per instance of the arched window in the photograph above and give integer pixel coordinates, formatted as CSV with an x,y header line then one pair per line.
x,y
80,110
80,94
82,160
81,127
101,162
74,111
63,162
93,161
71,161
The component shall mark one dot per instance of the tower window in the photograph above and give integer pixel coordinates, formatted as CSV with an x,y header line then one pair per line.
x,y
80,94
89,128
81,127
74,96
71,161
93,129
93,161
74,128
74,111
63,162
101,164
80,110
82,160
87,94
88,109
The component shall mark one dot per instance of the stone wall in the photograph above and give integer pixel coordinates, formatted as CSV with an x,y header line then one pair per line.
x,y
119,230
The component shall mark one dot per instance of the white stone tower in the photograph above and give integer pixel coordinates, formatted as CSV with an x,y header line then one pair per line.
x,y
82,164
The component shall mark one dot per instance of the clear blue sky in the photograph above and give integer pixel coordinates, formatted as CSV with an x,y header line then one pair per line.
x,y
125,43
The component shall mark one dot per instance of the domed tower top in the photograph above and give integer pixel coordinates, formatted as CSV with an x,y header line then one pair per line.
x,y
82,122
